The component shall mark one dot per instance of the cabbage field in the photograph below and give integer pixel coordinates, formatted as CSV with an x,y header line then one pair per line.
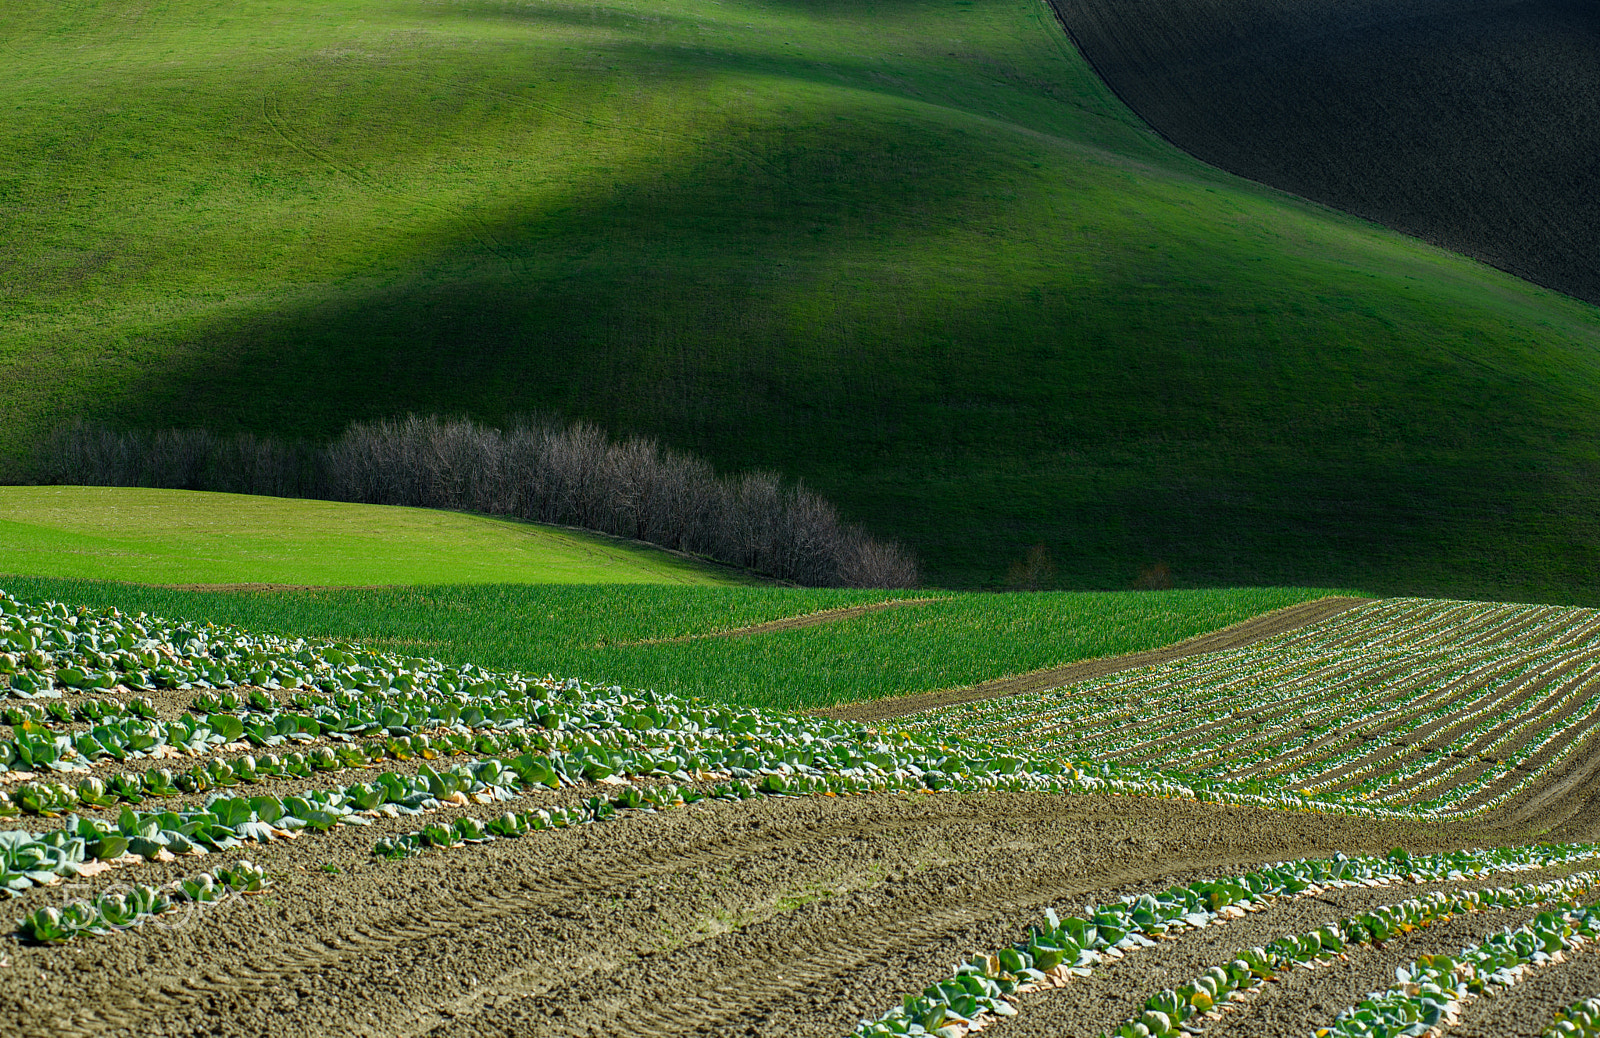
x,y
1376,823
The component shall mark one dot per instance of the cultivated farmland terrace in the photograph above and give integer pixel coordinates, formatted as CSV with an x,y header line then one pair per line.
x,y
210,831
1473,124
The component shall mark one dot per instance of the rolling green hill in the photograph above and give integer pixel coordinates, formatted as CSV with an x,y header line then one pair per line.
x,y
911,251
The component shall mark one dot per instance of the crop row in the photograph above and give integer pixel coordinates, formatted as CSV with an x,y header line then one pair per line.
x,y
1579,1020
1365,708
1075,946
648,798
1251,968
1427,995
49,648
115,911
581,719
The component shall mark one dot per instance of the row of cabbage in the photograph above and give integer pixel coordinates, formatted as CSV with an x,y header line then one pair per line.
x,y
1362,708
1427,994
1579,1020
392,700
1074,946
113,911
1250,969
49,648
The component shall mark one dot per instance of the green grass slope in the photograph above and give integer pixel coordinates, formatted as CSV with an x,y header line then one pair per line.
x,y
909,250
181,537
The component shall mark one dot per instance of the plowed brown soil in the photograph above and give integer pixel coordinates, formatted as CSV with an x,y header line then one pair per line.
x,y
1473,124
1246,632
764,918
777,917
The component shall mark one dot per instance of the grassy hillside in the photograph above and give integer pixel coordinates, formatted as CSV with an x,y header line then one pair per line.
x,y
179,537
615,633
909,250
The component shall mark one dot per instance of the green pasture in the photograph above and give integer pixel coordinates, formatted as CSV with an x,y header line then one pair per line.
x,y
592,632
183,537
911,251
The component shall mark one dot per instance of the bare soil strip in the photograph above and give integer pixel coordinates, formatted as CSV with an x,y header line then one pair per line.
x,y
791,623
1239,635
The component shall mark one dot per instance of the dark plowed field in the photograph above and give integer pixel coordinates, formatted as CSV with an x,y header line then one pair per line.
x,y
1473,124
781,917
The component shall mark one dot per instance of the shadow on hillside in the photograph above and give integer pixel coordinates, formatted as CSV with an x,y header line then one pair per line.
x,y
785,296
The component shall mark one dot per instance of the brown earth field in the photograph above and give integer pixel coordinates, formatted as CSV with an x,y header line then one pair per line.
x,y
783,916
1472,124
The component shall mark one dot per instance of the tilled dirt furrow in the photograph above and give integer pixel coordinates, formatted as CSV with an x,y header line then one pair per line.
x,y
1526,1010
1416,664
1400,733
1566,729
1248,748
373,948
1550,791
1555,709
731,981
1528,704
1283,704
1114,697
791,974
1478,678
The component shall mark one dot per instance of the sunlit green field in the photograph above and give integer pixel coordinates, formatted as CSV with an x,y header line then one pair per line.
x,y
183,537
911,251
593,632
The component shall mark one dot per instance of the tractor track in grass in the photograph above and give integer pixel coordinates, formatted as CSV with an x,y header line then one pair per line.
x,y
790,623
797,912
1237,636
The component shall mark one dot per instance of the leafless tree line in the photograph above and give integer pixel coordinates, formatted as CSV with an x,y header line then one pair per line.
x,y
569,474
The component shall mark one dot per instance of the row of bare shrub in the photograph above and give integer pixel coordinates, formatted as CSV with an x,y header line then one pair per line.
x,y
570,474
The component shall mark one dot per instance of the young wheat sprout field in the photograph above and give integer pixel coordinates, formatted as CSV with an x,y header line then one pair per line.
x,y
1380,822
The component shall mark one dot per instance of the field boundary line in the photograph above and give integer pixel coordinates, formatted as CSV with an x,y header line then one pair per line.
x,y
1235,636
787,623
